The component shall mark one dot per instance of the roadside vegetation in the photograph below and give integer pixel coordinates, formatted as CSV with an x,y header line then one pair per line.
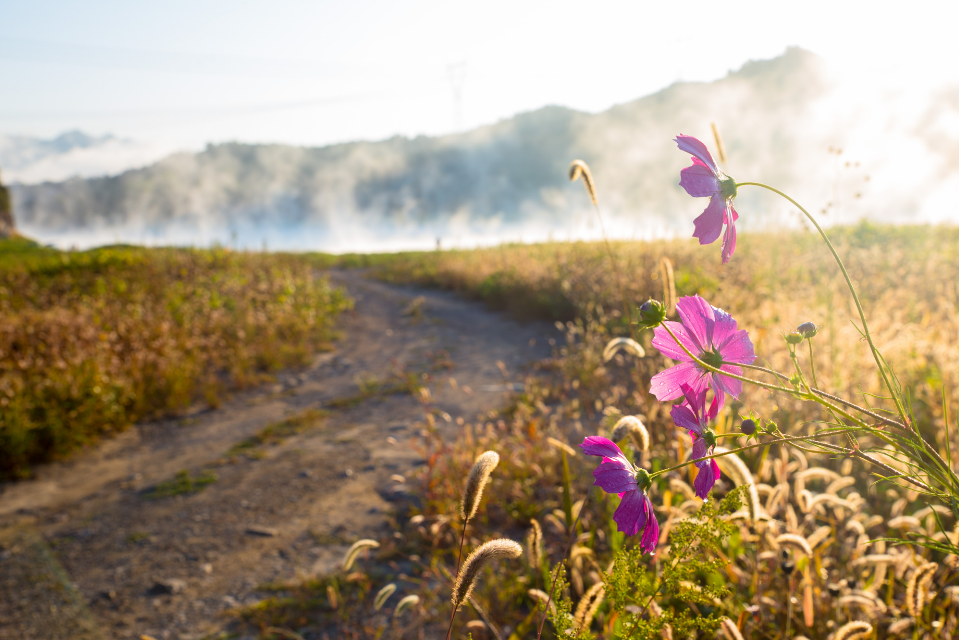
x,y
802,555
93,341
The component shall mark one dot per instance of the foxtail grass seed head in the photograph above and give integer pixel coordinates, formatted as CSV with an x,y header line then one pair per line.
x,y
918,588
588,606
579,169
795,541
627,345
383,595
331,597
818,536
562,446
633,427
475,482
669,284
720,148
481,556
857,630
354,551
534,544
730,630
900,626
406,603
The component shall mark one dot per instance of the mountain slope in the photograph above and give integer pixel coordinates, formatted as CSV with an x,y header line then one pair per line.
x,y
778,116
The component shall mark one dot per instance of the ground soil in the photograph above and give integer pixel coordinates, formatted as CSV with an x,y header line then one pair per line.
x,y
286,511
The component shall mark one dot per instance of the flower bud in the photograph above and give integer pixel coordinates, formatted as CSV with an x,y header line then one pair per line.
x,y
794,337
807,329
643,481
748,427
651,314
710,437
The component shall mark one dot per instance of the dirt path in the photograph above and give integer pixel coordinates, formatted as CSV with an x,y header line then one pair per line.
x,y
168,567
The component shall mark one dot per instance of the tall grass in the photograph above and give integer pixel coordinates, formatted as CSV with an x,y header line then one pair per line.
x,y
93,341
906,276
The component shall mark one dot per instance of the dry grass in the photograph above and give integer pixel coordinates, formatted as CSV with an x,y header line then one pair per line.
x,y
812,530
93,341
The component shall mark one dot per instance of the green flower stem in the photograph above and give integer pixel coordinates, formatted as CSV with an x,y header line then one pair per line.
x,y
818,398
812,363
764,385
852,289
811,436
819,392
756,367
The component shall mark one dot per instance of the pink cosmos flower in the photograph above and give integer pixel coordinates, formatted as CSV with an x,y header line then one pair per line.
x,y
616,474
694,416
705,180
710,334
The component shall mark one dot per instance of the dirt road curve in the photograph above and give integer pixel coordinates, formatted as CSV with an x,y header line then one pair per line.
x,y
274,513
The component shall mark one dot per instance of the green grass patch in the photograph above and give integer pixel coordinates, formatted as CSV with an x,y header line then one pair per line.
x,y
182,484
275,433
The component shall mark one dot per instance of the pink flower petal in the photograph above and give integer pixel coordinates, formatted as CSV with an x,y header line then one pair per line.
x,y
700,449
693,146
613,477
709,224
665,385
724,327
697,317
708,474
651,534
738,348
600,446
684,418
668,347
699,181
630,516
714,408
729,239
723,384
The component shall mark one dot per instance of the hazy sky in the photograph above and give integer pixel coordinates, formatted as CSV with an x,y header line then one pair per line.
x,y
182,73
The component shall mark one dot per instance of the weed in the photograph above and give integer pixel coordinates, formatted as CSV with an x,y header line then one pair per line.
x,y
182,484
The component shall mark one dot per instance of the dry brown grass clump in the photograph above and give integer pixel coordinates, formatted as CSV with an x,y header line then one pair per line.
x,y
93,341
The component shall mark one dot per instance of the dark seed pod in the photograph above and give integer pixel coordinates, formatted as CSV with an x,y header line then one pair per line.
x,y
834,589
787,566
807,329
748,427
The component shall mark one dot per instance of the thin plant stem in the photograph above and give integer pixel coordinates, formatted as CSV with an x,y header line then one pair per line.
x,y
459,557
789,608
812,363
764,385
820,392
852,290
616,274
569,543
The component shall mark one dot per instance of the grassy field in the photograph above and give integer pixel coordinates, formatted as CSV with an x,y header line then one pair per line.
x,y
839,572
93,341
906,277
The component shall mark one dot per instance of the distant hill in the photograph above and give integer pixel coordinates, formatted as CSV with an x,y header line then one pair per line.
x,y
508,178
26,159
